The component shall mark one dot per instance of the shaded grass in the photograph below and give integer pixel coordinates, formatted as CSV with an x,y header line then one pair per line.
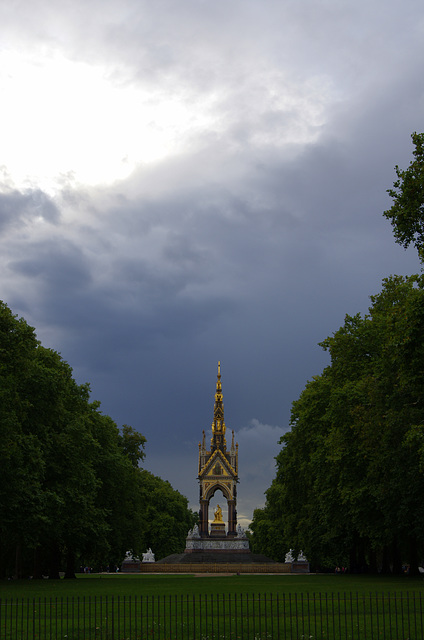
x,y
214,607
190,584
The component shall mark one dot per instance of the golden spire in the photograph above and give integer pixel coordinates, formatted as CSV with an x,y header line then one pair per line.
x,y
218,425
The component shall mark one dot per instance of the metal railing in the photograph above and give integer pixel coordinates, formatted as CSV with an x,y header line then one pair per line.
x,y
388,616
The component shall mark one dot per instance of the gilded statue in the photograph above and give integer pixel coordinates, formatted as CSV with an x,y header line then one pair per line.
x,y
218,514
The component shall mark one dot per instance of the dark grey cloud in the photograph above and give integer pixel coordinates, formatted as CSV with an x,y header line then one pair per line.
x,y
248,242
18,208
58,266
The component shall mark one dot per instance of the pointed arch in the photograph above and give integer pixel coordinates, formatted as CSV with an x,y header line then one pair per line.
x,y
226,491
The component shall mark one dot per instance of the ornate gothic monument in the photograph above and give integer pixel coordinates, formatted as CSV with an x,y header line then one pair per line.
x,y
210,546
218,469
213,544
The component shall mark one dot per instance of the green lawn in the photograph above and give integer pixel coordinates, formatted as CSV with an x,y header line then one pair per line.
x,y
215,607
127,585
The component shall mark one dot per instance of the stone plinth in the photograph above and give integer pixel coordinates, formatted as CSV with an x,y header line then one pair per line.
x,y
217,530
217,542
209,552
130,564
217,545
130,567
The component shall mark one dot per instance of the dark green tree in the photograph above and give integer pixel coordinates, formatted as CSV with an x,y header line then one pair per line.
x,y
132,444
22,499
71,487
266,532
407,211
118,495
166,517
58,416
350,474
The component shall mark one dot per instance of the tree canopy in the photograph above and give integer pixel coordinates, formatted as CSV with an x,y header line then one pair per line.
x,y
407,211
349,483
350,474
71,488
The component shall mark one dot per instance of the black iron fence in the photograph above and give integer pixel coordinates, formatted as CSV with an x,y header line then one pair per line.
x,y
394,616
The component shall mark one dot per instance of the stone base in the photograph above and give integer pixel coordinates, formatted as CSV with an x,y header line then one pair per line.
x,y
217,530
211,558
217,544
130,566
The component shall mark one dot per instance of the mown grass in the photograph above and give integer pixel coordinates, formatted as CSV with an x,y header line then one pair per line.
x,y
213,607
191,584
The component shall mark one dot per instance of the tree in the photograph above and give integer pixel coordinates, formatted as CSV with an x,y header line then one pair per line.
x,y
118,495
266,530
349,482
165,516
71,488
132,444
407,212
380,479
303,506
350,474
22,498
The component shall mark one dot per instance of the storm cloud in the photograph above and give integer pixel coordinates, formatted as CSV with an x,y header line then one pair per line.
x,y
193,182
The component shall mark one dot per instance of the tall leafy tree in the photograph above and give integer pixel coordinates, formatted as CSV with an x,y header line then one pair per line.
x,y
58,417
350,477
407,211
350,473
21,454
71,486
166,518
118,496
266,531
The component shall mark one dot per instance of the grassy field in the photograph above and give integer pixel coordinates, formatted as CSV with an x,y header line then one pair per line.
x,y
160,585
213,607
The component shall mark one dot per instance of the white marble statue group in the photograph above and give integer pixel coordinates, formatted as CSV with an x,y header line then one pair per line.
x,y
149,556
194,533
290,557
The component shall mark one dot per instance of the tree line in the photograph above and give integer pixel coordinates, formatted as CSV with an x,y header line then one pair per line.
x,y
72,491
349,479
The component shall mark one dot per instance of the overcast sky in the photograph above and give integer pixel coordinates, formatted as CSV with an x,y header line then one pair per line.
x,y
192,181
